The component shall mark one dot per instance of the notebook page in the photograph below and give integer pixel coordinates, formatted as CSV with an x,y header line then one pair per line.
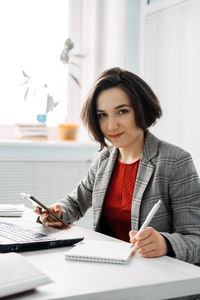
x,y
100,251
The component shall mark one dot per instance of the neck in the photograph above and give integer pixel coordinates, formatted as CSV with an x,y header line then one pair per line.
x,y
132,152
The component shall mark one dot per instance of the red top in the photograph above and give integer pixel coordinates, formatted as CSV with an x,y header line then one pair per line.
x,y
116,213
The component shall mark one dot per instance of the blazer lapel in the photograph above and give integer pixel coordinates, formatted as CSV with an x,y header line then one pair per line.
x,y
145,171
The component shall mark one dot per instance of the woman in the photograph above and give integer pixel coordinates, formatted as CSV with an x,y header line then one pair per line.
x,y
128,178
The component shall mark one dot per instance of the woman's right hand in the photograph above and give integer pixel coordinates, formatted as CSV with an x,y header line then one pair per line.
x,y
48,220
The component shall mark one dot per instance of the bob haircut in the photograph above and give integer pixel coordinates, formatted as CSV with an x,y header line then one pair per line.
x,y
143,100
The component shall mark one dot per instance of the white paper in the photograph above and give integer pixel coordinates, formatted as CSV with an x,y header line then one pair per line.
x,y
19,275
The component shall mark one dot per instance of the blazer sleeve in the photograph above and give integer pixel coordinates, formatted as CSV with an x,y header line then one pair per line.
x,y
75,204
184,192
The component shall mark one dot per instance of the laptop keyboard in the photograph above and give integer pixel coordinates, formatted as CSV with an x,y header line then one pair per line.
x,y
15,233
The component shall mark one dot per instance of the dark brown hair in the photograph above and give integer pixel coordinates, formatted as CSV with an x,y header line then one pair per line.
x,y
143,100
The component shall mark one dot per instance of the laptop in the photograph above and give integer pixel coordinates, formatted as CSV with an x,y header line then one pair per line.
x,y
15,238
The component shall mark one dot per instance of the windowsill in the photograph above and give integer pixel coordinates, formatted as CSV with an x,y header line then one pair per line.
x,y
44,150
7,136
7,132
45,143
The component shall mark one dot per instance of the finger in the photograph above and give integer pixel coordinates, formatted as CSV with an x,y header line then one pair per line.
x,y
145,248
37,210
48,223
132,234
133,251
57,208
151,254
155,246
137,235
144,233
44,216
65,227
147,236
141,243
52,218
51,208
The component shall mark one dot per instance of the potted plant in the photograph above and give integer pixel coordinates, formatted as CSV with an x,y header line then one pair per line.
x,y
32,91
68,131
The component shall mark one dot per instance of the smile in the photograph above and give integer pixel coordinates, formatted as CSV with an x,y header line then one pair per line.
x,y
115,136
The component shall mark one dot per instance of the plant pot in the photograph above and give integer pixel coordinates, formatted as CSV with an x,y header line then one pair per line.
x,y
42,118
68,131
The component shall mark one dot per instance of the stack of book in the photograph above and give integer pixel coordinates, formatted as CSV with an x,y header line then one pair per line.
x,y
31,131
11,210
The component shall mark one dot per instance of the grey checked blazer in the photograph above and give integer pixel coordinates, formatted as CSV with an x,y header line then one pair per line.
x,y
165,172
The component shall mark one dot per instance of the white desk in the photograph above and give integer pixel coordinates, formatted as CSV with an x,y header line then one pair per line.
x,y
141,278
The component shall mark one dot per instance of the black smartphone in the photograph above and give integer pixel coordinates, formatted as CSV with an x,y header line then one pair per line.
x,y
33,199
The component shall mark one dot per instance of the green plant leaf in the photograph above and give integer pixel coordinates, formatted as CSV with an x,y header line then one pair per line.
x,y
26,75
50,104
64,57
69,44
75,79
24,83
26,93
34,93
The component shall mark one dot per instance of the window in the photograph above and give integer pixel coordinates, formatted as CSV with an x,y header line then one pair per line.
x,y
32,34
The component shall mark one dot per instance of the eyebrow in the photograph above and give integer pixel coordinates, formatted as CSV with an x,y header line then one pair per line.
x,y
117,107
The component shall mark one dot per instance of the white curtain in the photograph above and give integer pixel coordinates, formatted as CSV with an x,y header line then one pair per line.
x,y
98,29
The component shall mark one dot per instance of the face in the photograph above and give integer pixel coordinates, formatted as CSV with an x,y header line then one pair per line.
x,y
117,118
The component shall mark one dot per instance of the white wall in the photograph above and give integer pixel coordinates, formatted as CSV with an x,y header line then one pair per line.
x,y
171,65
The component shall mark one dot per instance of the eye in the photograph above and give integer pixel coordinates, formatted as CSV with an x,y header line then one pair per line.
x,y
123,111
101,115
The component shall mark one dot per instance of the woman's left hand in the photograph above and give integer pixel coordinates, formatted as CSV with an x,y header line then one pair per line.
x,y
148,242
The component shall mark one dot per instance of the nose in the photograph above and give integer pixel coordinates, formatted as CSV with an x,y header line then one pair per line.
x,y
112,124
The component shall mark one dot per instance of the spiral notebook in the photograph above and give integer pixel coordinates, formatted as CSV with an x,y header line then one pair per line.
x,y
101,251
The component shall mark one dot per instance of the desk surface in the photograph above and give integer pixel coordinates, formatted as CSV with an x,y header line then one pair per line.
x,y
141,278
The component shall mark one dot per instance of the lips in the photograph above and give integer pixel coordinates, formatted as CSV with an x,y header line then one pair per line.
x,y
115,136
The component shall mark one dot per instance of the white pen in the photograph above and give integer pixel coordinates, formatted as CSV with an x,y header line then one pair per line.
x,y
149,217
